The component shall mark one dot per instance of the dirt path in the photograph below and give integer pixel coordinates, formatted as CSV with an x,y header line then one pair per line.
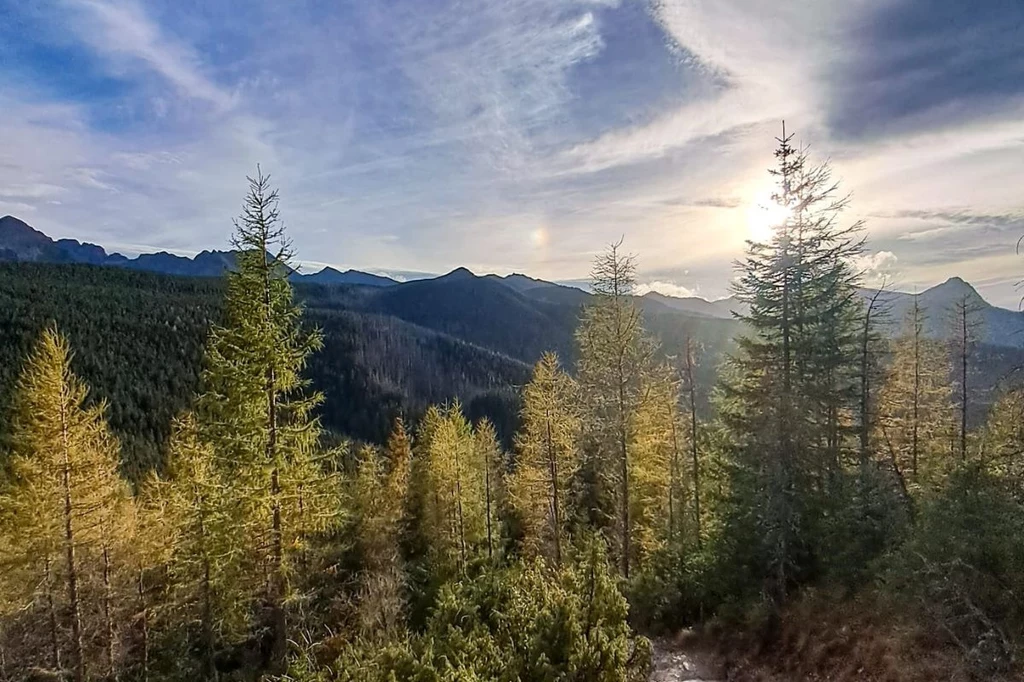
x,y
675,663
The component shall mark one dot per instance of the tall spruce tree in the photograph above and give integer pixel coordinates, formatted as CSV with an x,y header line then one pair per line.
x,y
257,411
793,377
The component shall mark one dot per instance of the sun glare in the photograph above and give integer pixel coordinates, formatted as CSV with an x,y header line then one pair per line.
x,y
764,216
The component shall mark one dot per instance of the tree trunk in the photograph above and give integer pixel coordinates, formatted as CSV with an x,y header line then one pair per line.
x,y
108,620
917,390
52,613
206,590
553,471
624,453
279,619
144,626
963,384
209,665
487,495
69,548
458,501
672,482
692,386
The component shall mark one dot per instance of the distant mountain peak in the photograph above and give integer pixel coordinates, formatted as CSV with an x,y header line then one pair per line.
x,y
956,282
331,275
458,273
953,289
9,222
12,228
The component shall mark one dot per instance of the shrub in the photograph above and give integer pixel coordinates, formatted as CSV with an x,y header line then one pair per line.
x,y
526,622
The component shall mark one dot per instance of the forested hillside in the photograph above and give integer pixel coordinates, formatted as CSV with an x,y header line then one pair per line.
x,y
815,495
138,340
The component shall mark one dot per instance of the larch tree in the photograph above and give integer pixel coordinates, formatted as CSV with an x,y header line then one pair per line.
x,y
152,546
207,550
915,408
655,446
63,494
965,331
872,349
453,482
548,457
489,456
373,511
258,413
615,354
399,470
1003,443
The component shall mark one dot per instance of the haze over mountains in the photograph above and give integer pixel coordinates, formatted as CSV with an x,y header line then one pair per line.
x,y
20,242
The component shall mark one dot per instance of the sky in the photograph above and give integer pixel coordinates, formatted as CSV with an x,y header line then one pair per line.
x,y
520,135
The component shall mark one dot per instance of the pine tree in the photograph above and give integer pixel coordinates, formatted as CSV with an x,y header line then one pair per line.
x,y
257,413
548,458
63,494
615,354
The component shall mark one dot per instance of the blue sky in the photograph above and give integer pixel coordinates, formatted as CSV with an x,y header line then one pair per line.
x,y
421,135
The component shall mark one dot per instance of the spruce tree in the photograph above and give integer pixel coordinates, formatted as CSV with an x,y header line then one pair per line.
x,y
793,377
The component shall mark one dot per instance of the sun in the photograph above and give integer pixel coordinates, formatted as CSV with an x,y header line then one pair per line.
x,y
763,217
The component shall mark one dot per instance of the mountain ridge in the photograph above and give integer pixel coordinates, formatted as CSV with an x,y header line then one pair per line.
x,y
19,241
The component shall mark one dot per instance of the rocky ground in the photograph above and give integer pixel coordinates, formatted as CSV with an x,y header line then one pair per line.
x,y
675,661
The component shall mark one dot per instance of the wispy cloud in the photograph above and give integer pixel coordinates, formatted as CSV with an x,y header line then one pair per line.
x,y
124,33
421,136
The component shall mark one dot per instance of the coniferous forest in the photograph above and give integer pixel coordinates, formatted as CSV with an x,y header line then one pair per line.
x,y
833,505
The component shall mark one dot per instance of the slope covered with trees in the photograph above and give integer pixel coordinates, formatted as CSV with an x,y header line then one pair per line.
x,y
834,468
139,338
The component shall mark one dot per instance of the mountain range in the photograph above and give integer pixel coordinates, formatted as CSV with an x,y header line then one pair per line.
x,y
20,242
